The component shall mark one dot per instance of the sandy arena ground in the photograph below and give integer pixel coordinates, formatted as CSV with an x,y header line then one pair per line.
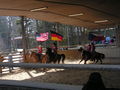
x,y
61,76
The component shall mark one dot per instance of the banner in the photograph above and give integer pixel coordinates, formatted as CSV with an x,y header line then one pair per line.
x,y
94,37
42,36
56,36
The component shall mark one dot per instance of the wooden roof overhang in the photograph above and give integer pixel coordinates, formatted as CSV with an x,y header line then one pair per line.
x,y
90,12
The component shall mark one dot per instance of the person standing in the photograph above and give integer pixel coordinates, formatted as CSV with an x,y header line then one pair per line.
x,y
94,82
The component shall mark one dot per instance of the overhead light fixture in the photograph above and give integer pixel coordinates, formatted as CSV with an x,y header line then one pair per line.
x,y
38,9
73,15
101,21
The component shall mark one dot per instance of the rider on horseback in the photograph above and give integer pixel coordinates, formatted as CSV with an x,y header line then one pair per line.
x,y
39,51
54,48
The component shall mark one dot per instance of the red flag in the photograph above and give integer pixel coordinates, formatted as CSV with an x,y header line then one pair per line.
x,y
56,36
42,36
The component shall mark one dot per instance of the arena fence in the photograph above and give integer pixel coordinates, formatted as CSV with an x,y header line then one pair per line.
x,y
11,58
50,86
20,85
63,66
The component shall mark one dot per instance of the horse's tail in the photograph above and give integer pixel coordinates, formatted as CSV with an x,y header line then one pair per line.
x,y
63,57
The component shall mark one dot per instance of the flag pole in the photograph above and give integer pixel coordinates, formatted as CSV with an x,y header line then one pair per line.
x,y
57,29
24,41
68,38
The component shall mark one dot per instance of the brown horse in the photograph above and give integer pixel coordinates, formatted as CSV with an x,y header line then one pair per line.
x,y
1,60
33,57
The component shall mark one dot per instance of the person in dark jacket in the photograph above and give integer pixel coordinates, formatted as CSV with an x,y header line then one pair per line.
x,y
94,82
54,48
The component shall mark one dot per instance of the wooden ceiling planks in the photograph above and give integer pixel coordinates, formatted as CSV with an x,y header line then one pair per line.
x,y
59,11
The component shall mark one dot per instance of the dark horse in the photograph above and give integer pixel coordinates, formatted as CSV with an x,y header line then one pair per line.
x,y
93,56
54,57
85,55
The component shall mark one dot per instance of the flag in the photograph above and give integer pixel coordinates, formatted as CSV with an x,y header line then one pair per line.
x,y
94,37
56,36
91,36
42,36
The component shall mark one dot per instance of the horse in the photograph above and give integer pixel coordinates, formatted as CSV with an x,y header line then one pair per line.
x,y
33,57
86,55
54,57
1,60
93,56
96,56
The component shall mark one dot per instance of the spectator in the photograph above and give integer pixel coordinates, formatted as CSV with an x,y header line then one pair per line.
x,y
107,39
94,82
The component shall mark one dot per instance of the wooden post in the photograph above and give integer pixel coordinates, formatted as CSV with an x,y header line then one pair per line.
x,y
57,30
24,41
118,36
68,40
37,24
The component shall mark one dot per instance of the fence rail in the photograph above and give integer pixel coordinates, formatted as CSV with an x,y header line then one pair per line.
x,y
52,86
63,66
39,86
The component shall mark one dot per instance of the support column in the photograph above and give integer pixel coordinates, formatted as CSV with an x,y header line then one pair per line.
x,y
24,41
118,36
57,30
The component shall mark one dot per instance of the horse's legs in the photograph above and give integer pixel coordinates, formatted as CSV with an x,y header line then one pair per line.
x,y
81,60
85,61
63,58
84,58
62,61
54,61
97,60
93,60
101,61
59,60
0,70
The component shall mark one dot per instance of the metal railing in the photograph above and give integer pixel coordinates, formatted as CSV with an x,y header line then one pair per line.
x,y
52,86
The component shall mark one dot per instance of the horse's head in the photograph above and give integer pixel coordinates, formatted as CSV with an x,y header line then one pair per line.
x,y
81,49
49,50
1,58
32,53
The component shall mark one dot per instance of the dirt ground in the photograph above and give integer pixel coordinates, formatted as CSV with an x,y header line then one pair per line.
x,y
111,79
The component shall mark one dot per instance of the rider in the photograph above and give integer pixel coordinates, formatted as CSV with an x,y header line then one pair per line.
x,y
92,47
89,48
54,48
39,51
